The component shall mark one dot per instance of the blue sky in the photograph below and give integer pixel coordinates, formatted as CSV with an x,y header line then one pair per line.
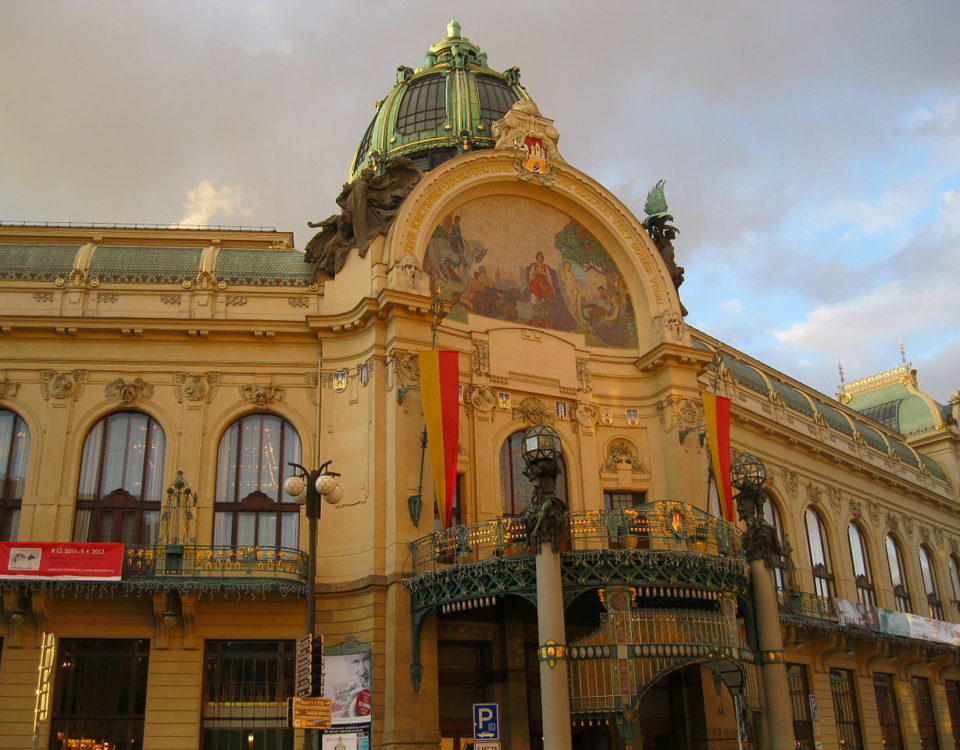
x,y
811,149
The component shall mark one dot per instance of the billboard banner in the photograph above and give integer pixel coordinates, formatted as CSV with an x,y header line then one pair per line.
x,y
70,561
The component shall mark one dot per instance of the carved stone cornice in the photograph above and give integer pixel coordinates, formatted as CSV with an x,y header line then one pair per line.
x,y
670,354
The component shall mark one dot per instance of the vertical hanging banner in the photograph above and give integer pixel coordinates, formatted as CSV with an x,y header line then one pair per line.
x,y
439,377
716,412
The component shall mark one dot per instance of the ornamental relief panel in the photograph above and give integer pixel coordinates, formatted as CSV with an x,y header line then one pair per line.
x,y
669,325
481,398
128,392
8,389
586,414
833,495
621,454
790,481
679,412
63,385
532,411
195,386
403,368
262,395
480,359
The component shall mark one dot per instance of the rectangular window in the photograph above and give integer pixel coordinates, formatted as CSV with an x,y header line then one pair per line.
x,y
799,688
884,686
845,708
616,500
926,718
953,703
247,684
101,693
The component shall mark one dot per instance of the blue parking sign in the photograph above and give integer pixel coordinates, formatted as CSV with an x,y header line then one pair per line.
x,y
486,721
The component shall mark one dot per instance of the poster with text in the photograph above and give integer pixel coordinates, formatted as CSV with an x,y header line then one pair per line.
x,y
71,561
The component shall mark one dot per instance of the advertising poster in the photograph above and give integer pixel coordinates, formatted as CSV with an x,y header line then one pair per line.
x,y
348,682
71,561
347,737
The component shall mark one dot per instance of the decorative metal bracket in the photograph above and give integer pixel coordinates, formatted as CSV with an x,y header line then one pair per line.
x,y
701,435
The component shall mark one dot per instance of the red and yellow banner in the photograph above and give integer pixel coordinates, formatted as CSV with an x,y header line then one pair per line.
x,y
71,561
716,412
439,386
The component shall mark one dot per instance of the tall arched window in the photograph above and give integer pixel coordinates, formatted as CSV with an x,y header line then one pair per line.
x,y
861,566
895,563
251,509
515,488
954,567
934,608
121,480
819,554
771,515
14,454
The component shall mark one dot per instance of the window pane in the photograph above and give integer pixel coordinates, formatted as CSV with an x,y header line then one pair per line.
x,y
222,529
290,530
253,460
246,529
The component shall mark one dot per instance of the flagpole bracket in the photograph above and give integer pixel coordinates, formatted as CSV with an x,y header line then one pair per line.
x,y
700,429
402,393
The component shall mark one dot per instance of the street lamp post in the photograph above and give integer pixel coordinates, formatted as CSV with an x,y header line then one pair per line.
x,y
545,525
308,487
760,543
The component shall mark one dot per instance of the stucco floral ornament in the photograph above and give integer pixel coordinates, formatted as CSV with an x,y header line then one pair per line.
x,y
62,385
128,392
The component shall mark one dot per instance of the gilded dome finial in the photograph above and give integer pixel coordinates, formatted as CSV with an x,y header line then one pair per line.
x,y
453,29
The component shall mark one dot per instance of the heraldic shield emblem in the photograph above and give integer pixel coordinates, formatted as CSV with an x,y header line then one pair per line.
x,y
536,158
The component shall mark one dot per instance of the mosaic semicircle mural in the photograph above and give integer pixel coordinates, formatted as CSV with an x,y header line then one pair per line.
x,y
522,261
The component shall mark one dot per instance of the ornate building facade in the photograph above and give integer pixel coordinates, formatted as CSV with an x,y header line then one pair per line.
x,y
157,383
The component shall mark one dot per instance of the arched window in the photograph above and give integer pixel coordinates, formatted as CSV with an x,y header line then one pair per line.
x,y
861,566
771,515
121,480
819,554
954,566
935,609
895,563
251,509
515,488
14,454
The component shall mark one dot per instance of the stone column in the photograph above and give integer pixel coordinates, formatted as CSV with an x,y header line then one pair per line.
x,y
554,690
776,696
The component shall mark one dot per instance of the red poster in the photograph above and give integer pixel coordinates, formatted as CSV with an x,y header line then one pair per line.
x,y
74,561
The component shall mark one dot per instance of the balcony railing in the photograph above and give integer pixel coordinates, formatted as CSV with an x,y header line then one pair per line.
x,y
802,604
263,567
665,525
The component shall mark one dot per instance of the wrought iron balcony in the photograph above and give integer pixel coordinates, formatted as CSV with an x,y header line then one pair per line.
x,y
801,604
654,527
212,568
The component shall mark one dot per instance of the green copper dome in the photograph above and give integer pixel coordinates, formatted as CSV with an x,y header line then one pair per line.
x,y
443,109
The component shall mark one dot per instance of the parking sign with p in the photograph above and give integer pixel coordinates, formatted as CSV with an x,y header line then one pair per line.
x,y
486,721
